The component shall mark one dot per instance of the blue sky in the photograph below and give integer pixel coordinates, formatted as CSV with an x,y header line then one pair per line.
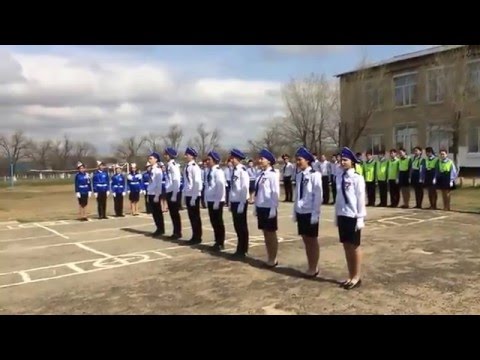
x,y
104,93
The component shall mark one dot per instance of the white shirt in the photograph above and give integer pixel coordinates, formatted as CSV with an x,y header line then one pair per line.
x,y
316,166
288,170
228,173
156,177
192,177
308,192
267,188
240,184
325,168
172,183
215,185
252,173
354,204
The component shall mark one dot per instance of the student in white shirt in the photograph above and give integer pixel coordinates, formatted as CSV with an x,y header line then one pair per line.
x,y
239,201
350,213
252,175
172,189
267,188
215,198
306,210
154,191
192,189
288,172
326,171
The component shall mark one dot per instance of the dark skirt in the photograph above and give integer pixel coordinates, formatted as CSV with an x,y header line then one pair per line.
x,y
415,180
251,187
264,223
443,182
304,227
134,196
429,176
346,230
83,201
403,178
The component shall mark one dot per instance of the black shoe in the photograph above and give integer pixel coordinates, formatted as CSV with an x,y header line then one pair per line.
x,y
194,242
217,247
105,217
158,233
238,255
175,236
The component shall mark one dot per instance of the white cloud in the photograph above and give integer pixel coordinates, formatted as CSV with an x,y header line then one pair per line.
x,y
104,99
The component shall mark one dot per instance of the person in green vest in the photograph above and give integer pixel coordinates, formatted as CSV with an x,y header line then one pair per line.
x,y
404,167
417,164
392,175
369,175
381,177
359,166
445,176
427,176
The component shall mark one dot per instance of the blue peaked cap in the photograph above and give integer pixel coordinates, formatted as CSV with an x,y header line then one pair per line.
x,y
304,153
348,154
267,155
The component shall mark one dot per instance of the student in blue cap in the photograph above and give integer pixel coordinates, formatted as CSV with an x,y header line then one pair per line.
x,y
154,191
118,190
83,190
239,193
306,210
350,213
134,186
145,181
101,189
215,194
192,177
267,188
172,189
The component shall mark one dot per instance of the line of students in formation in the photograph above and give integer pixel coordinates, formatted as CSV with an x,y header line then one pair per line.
x,y
352,178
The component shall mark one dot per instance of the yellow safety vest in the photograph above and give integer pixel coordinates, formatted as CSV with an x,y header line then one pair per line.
x,y
404,164
382,167
432,163
393,169
359,169
369,168
416,163
445,166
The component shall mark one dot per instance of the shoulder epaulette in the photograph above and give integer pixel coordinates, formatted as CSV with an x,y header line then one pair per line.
x,y
312,171
244,168
272,170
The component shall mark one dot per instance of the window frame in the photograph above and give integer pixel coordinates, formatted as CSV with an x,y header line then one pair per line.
x,y
429,71
369,140
405,126
415,101
478,142
432,127
477,94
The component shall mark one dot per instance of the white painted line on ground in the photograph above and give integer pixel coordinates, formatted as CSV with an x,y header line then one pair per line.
x,y
26,238
51,230
85,247
75,268
162,254
25,277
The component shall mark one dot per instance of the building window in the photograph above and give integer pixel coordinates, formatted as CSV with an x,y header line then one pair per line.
x,y
474,140
375,144
406,137
372,95
405,90
435,85
440,138
473,79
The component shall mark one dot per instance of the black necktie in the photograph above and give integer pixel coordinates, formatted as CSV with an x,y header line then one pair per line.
x,y
186,173
258,183
343,188
231,177
284,168
209,177
301,187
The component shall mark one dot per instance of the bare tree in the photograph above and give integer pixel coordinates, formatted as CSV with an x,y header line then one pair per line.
x,y
309,105
272,139
15,148
130,149
173,137
84,149
205,140
332,125
62,151
41,153
450,83
364,93
154,142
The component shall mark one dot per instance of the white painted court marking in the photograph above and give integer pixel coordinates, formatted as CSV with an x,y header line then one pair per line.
x,y
25,277
85,247
51,230
75,268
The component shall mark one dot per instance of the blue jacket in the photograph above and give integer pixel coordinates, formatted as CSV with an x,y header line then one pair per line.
x,y
118,183
83,184
101,181
134,182
146,180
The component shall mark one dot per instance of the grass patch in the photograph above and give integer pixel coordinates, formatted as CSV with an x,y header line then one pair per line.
x,y
38,183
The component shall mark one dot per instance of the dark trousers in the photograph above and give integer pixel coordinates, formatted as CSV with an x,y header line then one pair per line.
x,y
202,200
227,190
174,210
287,184
194,216
157,214
432,196
118,204
216,219
147,205
334,187
102,205
326,189
418,187
180,199
241,227
394,193
370,193
383,189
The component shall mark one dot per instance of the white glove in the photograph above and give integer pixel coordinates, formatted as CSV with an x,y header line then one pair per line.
x,y
451,183
360,224
241,208
314,219
96,195
273,213
78,195
125,193
397,181
174,198
216,205
128,192
421,181
156,199
192,201
108,193
434,181
114,194
89,194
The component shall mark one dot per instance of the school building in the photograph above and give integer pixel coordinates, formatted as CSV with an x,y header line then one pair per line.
x,y
426,98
